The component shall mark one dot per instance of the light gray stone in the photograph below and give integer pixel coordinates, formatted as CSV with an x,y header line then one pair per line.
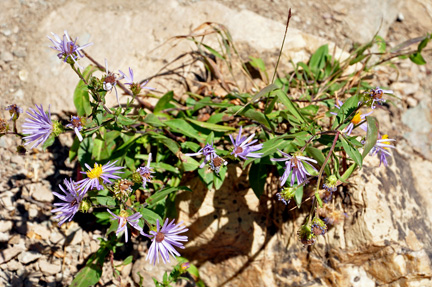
x,y
41,192
20,53
4,236
14,265
56,238
29,256
6,56
10,253
48,268
5,225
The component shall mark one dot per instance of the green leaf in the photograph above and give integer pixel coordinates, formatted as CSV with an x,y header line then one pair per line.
x,y
106,200
353,153
172,145
417,58
318,59
128,260
181,126
347,110
210,126
125,120
348,172
88,276
102,217
163,102
73,151
257,178
423,43
381,44
319,156
264,91
81,95
153,120
299,196
371,136
48,142
290,106
158,196
150,215
219,179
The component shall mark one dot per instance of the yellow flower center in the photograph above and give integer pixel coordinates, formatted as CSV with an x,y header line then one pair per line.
x,y
96,172
357,118
385,137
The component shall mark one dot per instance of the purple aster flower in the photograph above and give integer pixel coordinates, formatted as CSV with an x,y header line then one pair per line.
x,y
382,149
208,152
146,172
338,106
110,81
67,48
135,87
76,125
377,95
294,166
358,118
243,147
124,218
14,111
164,239
38,126
72,199
97,175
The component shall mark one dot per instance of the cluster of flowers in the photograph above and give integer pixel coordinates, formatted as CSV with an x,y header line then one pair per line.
x,y
243,148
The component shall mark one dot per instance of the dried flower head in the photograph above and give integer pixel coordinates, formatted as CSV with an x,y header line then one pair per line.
x,y
14,111
216,163
331,215
286,194
318,226
377,96
110,81
305,235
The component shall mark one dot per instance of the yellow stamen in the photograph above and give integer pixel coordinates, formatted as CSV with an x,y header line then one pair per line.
x,y
96,172
385,137
357,118
124,214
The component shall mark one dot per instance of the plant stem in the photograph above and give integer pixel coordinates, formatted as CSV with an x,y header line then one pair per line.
x,y
326,160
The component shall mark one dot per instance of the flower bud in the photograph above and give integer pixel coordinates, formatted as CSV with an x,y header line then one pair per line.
x,y
57,128
85,205
136,177
286,194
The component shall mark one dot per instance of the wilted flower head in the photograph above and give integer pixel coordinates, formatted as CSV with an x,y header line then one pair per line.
x,y
331,215
68,50
110,81
72,199
76,125
243,147
124,218
305,235
164,240
146,172
135,87
377,95
14,111
318,226
39,126
97,175
382,148
358,118
294,166
3,126
216,163
122,188
286,194
207,151
331,183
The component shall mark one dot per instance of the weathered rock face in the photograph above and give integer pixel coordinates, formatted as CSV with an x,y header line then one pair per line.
x,y
385,239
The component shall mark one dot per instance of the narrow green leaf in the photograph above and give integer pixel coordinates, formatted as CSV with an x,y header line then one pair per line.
x,y
318,59
353,153
81,95
319,156
371,135
298,196
210,126
153,120
347,110
264,91
88,276
181,126
290,106
417,58
348,172
150,215
158,196
257,178
163,102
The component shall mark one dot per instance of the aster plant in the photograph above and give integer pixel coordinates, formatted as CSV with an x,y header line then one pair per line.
x,y
322,127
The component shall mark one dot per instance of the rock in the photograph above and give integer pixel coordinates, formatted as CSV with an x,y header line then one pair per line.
x,y
10,253
400,17
6,200
20,53
5,226
6,56
74,234
29,256
56,238
4,236
33,211
40,229
48,268
405,89
40,192
14,265
23,75
148,270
